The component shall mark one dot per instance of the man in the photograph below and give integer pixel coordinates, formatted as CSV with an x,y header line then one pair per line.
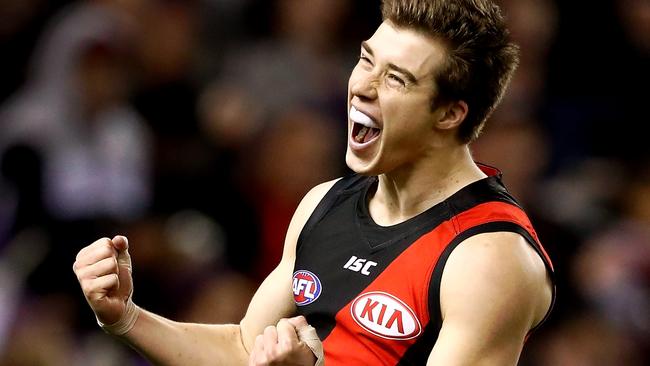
x,y
421,258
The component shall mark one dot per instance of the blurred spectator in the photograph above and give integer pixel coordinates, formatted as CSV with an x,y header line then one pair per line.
x,y
17,260
520,149
302,63
22,22
49,320
175,253
613,270
596,71
533,25
585,340
75,156
221,299
166,96
296,151
72,114
223,25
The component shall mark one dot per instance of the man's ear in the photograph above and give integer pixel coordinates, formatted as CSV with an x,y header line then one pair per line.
x,y
452,115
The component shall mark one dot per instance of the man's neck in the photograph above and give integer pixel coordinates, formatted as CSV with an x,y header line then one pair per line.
x,y
409,191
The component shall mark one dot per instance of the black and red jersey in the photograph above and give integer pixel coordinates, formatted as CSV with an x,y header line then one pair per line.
x,y
372,292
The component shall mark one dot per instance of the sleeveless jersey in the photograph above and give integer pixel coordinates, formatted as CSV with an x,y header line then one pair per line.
x,y
372,292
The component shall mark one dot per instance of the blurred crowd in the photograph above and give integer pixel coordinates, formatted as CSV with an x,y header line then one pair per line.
x,y
194,127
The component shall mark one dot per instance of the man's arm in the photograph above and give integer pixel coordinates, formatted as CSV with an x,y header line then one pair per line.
x,y
494,289
167,342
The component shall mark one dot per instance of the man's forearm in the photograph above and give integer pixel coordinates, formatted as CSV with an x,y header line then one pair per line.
x,y
166,342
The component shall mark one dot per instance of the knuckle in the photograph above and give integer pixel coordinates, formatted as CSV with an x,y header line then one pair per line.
x,y
110,264
106,251
102,253
86,286
99,243
270,354
81,273
105,245
286,345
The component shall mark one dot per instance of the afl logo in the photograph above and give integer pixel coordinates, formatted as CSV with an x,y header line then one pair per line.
x,y
385,316
306,287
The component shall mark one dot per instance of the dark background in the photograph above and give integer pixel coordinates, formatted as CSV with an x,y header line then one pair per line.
x,y
195,127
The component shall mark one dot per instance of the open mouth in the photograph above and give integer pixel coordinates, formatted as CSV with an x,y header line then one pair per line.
x,y
364,128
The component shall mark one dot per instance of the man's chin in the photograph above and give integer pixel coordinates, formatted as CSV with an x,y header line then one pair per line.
x,y
359,166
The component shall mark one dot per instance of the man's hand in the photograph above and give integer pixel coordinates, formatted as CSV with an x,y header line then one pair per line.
x,y
283,345
104,272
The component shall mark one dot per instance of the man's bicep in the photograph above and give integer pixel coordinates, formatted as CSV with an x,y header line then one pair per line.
x,y
272,302
460,344
274,298
494,290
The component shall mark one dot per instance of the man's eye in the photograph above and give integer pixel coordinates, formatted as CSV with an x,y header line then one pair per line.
x,y
396,79
364,58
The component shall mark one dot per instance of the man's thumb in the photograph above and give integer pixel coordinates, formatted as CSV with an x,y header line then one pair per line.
x,y
121,243
298,322
307,334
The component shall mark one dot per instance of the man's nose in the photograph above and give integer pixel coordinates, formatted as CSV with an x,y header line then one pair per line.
x,y
365,87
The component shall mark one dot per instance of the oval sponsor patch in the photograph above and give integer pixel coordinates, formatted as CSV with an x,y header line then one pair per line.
x,y
385,315
306,287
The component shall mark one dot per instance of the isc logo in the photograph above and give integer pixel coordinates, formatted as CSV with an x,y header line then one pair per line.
x,y
359,265
385,315
306,287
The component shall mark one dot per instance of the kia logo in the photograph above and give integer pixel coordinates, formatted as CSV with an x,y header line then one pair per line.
x,y
386,316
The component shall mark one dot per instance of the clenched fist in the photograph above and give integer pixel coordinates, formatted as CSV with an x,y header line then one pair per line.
x,y
104,272
290,342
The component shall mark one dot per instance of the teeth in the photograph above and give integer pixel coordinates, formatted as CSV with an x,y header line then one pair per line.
x,y
361,118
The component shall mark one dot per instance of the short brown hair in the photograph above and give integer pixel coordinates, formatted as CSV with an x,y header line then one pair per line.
x,y
480,57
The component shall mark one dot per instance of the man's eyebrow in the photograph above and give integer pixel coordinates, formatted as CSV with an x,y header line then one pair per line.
x,y
407,74
367,48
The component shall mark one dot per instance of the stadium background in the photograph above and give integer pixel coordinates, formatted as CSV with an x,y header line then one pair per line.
x,y
195,126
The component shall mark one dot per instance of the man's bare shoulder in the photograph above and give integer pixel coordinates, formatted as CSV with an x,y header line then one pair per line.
x,y
501,270
312,198
495,288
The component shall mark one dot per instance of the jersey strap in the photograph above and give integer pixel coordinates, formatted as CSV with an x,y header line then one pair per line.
x,y
327,202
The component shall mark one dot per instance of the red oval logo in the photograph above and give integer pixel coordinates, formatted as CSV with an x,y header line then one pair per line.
x,y
386,316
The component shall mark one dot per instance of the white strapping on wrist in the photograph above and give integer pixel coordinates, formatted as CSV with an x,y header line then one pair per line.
x,y
125,323
308,335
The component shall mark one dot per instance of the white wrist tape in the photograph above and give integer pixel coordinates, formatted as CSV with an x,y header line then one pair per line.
x,y
310,337
125,324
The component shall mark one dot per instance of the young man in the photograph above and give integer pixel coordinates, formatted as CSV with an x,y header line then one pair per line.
x,y
420,258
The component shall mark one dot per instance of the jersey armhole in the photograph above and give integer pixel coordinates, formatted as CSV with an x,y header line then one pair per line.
x,y
496,226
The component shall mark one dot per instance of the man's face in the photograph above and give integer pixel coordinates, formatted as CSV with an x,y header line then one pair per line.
x,y
390,119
